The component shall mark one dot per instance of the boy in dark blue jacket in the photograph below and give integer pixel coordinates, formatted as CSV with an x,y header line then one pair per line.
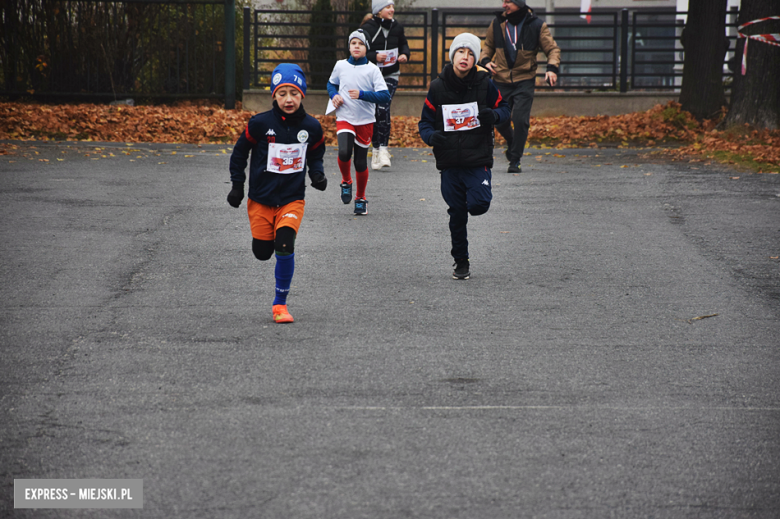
x,y
457,119
284,142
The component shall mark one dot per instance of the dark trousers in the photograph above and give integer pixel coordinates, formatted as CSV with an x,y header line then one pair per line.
x,y
381,135
467,191
520,97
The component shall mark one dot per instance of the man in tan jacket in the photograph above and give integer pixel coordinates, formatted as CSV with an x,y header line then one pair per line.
x,y
509,52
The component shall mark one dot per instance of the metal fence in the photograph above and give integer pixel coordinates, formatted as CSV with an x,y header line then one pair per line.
x,y
278,36
168,49
115,49
616,50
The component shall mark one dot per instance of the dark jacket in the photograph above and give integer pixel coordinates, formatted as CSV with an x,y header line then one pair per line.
x,y
268,188
464,149
533,36
396,39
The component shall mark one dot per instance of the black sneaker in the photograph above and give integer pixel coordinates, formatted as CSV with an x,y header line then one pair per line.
x,y
361,206
461,269
346,192
514,167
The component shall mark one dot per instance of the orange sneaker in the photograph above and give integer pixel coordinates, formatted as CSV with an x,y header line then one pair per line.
x,y
281,315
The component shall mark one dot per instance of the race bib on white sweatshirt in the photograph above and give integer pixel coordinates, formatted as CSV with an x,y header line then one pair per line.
x,y
459,118
286,159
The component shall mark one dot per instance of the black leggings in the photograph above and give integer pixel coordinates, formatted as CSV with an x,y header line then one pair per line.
x,y
346,144
283,243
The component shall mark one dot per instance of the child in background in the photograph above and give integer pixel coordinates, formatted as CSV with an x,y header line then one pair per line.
x,y
284,142
457,119
388,48
355,85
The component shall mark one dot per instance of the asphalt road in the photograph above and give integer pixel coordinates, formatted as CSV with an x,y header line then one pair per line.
x,y
616,352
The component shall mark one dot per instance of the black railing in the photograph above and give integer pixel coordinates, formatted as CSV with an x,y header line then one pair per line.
x,y
162,49
614,50
279,36
115,49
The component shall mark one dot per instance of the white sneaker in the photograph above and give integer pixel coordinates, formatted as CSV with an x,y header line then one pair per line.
x,y
376,162
384,157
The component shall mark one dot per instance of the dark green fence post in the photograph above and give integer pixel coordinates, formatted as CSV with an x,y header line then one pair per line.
x,y
624,51
247,48
230,54
434,43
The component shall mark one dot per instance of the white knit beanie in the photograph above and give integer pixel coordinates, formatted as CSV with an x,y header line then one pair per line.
x,y
378,5
468,41
360,35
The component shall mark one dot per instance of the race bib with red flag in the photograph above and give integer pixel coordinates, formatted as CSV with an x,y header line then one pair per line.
x,y
458,118
286,158
390,60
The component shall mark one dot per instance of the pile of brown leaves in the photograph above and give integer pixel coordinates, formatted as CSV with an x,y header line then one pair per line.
x,y
665,125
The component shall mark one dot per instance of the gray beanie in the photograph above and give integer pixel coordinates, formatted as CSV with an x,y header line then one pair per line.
x,y
468,41
360,35
378,5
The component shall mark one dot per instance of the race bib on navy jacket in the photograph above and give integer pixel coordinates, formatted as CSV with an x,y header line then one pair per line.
x,y
452,107
297,145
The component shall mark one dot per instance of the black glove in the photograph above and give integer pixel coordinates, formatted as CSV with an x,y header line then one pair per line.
x,y
487,117
319,182
439,138
236,194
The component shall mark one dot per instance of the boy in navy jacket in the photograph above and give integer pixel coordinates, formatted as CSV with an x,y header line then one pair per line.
x,y
284,142
457,119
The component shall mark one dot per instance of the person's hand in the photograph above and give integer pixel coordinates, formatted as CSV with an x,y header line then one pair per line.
x,y
439,138
381,57
402,58
487,117
354,94
236,194
551,78
337,100
319,182
491,67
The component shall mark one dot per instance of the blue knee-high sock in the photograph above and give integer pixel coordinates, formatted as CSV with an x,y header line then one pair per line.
x,y
285,266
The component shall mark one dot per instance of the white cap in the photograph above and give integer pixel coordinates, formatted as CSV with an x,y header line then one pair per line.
x,y
378,5
468,41
360,35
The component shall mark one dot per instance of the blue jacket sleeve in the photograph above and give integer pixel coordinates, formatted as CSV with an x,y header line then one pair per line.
x,y
332,90
427,120
380,98
498,104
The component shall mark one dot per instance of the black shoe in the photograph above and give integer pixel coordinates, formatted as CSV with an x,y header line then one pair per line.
x,y
461,269
361,206
514,167
346,192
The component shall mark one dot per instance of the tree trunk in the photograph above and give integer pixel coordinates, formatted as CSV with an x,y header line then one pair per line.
x,y
705,44
755,97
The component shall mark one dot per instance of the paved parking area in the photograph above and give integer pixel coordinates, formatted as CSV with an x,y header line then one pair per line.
x,y
616,352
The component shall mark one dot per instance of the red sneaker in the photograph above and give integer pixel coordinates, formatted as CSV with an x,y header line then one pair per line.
x,y
281,315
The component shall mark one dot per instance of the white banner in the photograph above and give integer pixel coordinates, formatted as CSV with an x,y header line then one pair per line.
x,y
585,10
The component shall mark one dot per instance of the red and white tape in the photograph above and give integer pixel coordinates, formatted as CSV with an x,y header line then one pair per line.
x,y
771,39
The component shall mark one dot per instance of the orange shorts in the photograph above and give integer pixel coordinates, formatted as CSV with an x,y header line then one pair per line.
x,y
362,133
265,220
